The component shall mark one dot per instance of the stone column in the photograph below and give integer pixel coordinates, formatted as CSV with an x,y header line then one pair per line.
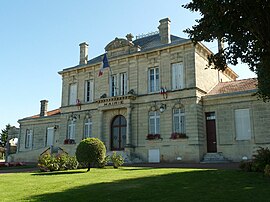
x,y
102,138
128,135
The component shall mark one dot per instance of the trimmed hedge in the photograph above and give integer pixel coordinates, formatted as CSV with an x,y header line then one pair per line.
x,y
91,152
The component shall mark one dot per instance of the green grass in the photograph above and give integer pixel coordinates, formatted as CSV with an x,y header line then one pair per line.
x,y
136,184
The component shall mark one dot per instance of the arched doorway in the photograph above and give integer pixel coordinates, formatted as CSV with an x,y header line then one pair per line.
x,y
118,133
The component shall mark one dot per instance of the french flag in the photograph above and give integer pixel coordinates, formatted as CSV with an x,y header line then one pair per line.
x,y
105,64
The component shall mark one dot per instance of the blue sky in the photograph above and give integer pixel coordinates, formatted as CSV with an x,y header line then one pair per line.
x,y
40,38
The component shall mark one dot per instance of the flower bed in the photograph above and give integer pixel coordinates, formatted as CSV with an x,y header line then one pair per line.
x,y
69,141
153,137
175,136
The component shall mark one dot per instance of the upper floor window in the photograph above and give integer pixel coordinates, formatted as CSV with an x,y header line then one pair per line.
x,y
153,79
113,85
178,76
242,124
88,128
72,93
89,91
154,122
28,138
179,122
118,84
123,84
71,129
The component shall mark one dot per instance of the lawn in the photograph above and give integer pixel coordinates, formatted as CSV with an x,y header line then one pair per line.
x,y
136,184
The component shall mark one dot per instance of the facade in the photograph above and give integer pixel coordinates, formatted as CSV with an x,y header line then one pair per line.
x,y
156,103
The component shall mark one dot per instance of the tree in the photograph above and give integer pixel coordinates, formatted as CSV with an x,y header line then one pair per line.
x,y
4,135
91,151
245,28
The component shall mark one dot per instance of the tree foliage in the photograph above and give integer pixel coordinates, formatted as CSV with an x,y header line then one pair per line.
x,y
91,151
245,28
4,135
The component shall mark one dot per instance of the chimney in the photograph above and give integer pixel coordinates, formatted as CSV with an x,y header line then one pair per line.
x,y
43,107
83,53
164,30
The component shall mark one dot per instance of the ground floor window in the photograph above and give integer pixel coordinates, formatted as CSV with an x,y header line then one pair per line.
x,y
179,122
154,122
118,133
28,138
88,128
71,129
242,124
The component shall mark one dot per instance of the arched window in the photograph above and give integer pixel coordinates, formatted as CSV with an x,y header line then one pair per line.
x,y
179,120
71,129
118,133
154,122
88,127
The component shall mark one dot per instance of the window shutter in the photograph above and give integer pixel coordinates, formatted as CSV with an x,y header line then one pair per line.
x,y
72,94
91,89
242,124
181,76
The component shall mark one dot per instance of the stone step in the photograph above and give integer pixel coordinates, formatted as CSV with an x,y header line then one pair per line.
x,y
214,158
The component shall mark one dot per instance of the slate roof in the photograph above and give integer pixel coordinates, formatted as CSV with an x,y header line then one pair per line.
x,y
234,86
146,43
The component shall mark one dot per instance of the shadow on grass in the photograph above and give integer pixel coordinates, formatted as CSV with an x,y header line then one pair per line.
x,y
59,172
196,185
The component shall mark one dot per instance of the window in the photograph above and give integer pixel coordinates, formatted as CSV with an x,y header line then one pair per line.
x,y
89,91
154,122
242,124
28,138
179,123
123,83
72,93
88,128
153,79
113,85
178,76
50,136
71,129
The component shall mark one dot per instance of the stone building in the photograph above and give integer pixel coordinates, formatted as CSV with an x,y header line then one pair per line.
x,y
156,102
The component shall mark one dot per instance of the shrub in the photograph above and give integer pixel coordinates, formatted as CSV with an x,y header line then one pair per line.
x,y
91,151
267,170
246,166
48,162
261,159
117,160
104,163
72,163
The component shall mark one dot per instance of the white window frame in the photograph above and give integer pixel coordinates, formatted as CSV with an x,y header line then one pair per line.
x,y
154,122
179,121
89,91
242,124
123,83
113,85
178,76
88,127
71,129
72,93
153,80
52,130
29,139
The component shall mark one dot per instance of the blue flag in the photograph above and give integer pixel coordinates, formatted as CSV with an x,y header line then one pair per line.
x,y
105,64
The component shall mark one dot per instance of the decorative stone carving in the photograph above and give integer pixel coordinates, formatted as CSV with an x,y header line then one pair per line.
x,y
118,43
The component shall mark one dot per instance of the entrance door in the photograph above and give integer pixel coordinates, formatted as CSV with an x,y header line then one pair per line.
x,y
118,133
211,132
50,136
